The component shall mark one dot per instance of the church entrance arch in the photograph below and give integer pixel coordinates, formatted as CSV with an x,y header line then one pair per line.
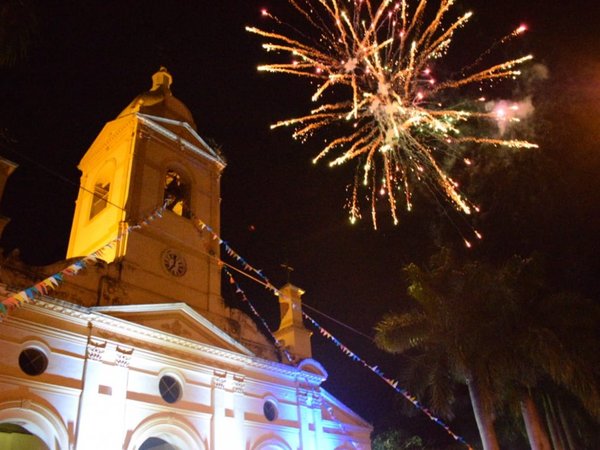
x,y
271,442
156,444
32,426
15,437
165,433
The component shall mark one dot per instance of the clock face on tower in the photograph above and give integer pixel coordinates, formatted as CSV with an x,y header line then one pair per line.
x,y
174,262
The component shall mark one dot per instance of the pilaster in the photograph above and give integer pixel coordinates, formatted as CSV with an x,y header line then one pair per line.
x,y
103,396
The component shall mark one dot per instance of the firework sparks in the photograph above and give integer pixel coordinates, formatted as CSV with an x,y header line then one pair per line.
x,y
381,53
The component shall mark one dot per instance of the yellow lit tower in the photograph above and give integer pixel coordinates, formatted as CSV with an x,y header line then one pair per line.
x,y
151,154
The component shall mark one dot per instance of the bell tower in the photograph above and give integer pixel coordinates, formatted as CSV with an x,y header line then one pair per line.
x,y
152,155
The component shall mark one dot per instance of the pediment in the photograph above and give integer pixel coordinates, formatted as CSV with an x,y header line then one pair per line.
x,y
177,319
182,133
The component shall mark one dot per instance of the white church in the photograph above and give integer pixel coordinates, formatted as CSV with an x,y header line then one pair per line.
x,y
138,351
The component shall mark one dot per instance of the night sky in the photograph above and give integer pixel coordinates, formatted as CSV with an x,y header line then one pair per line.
x,y
89,59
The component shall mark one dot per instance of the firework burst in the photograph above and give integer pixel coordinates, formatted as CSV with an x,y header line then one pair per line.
x,y
371,62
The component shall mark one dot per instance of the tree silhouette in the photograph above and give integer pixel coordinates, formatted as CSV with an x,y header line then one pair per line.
x,y
18,27
499,330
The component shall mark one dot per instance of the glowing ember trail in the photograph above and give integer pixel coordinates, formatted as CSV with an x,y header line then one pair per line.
x,y
387,111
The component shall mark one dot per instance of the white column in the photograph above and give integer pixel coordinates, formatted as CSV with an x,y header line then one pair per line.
x,y
90,409
116,408
218,424
318,418
101,422
239,398
307,440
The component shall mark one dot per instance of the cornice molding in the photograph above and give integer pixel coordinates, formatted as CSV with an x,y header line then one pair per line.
x,y
170,308
82,316
151,122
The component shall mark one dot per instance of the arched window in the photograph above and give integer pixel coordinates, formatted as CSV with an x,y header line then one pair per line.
x,y
177,194
101,189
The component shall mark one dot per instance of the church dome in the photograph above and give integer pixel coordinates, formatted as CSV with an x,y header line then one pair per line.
x,y
159,101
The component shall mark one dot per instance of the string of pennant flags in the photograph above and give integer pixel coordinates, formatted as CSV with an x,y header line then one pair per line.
x,y
278,343
233,254
244,298
349,353
52,282
391,382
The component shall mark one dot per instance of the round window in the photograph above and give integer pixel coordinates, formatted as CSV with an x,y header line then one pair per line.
x,y
33,361
270,410
170,389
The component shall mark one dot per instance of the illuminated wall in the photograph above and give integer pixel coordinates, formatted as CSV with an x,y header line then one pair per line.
x,y
128,172
158,362
103,193
115,383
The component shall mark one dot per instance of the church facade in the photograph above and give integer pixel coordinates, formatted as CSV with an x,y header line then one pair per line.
x,y
139,351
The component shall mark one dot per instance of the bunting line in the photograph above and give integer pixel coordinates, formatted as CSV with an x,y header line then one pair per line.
x,y
51,283
244,298
47,285
203,226
375,369
331,413
391,382
279,345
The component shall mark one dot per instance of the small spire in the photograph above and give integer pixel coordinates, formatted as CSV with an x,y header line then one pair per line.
x,y
162,79
292,333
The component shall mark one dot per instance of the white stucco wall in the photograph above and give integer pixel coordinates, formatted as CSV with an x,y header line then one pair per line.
x,y
111,398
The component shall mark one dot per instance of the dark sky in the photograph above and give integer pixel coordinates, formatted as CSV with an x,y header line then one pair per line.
x,y
89,59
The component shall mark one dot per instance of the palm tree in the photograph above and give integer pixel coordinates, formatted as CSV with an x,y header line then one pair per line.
x,y
500,331
547,337
446,326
